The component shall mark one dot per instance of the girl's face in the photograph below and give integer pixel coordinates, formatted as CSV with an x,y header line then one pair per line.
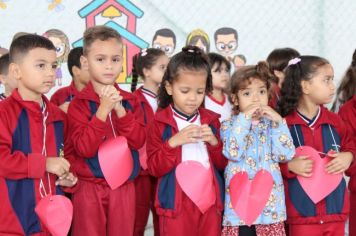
x,y
221,76
254,93
321,88
188,90
156,72
60,46
201,45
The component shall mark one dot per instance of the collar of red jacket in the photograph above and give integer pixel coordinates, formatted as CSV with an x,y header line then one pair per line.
x,y
166,116
88,93
54,113
73,90
326,117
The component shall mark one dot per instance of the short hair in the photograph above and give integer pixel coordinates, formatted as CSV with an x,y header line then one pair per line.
x,y
100,32
25,43
165,32
4,64
225,31
74,59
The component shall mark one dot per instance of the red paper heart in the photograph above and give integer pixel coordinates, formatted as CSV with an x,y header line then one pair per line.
x,y
197,182
55,212
115,161
249,197
143,157
320,184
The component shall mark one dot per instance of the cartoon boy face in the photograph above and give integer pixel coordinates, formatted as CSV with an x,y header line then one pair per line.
x,y
226,44
166,44
60,46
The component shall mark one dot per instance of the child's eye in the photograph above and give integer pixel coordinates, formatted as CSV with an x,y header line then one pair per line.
x,y
100,59
54,66
185,91
116,60
246,94
263,91
41,66
200,92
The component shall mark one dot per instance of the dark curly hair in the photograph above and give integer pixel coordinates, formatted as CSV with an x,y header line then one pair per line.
x,y
242,78
191,58
347,87
143,60
291,90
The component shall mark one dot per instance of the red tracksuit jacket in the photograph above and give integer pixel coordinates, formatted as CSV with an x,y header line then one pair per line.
x,y
87,132
348,113
22,164
335,207
65,94
163,160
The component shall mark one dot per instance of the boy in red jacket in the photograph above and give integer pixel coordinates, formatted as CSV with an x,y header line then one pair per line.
x,y
31,138
65,95
100,112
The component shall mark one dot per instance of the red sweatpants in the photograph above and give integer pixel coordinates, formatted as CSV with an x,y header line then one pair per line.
x,y
99,211
326,229
352,219
191,222
145,190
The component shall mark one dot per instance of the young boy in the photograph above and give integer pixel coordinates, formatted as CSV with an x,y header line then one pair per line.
x,y
31,138
6,79
63,96
103,111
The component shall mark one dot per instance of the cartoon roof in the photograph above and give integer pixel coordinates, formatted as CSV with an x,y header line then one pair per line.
x,y
91,7
123,32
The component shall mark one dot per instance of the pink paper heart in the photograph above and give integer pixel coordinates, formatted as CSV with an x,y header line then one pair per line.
x,y
320,184
55,212
143,157
197,182
115,161
249,197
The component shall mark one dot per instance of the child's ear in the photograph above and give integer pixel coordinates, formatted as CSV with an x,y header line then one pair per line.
x,y
2,79
14,71
84,63
146,72
305,86
168,87
234,100
76,71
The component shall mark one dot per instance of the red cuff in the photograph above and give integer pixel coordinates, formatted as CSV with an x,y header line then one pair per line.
x,y
285,171
36,165
125,120
97,124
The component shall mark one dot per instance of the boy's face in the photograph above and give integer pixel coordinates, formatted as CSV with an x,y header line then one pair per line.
x,y
104,61
35,72
226,44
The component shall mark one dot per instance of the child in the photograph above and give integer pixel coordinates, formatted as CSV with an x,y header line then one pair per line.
x,y
65,95
6,79
347,87
217,100
102,111
182,134
307,87
31,138
150,65
255,126
278,60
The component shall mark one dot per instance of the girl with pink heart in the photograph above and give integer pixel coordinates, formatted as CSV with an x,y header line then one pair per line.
x,y
255,140
185,151
322,209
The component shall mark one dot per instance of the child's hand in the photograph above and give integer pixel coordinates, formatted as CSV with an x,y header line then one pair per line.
x,y
68,180
190,134
119,109
58,166
340,163
108,99
301,166
253,111
64,107
207,135
269,113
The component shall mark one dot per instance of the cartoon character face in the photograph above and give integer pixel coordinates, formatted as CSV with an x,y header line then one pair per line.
x,y
200,39
61,42
165,44
60,46
226,44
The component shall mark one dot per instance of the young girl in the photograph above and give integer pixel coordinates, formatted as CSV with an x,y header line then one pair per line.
x,y
307,87
347,88
184,150
255,138
149,65
278,60
217,100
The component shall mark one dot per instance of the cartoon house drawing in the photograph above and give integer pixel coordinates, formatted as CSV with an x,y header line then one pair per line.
x,y
114,10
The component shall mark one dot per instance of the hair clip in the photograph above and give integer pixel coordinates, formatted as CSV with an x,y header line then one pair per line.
x,y
192,49
143,52
294,61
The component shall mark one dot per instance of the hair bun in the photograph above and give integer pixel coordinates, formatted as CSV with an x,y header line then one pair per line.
x,y
192,49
